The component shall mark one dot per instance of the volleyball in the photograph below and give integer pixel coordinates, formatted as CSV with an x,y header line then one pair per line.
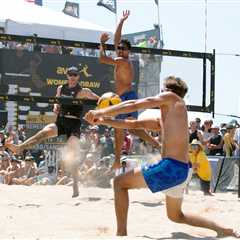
x,y
108,99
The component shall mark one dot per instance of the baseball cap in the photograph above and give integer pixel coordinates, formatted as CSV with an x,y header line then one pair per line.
x,y
234,123
230,126
72,70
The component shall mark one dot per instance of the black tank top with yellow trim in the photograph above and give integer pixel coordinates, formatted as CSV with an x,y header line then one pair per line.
x,y
70,110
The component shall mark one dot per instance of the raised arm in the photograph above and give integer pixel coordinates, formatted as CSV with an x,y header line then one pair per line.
x,y
103,57
147,124
118,33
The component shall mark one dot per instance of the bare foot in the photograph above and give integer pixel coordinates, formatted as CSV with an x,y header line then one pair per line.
x,y
229,232
14,148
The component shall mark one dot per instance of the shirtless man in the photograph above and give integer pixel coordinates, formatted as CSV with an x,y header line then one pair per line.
x,y
123,75
68,122
172,173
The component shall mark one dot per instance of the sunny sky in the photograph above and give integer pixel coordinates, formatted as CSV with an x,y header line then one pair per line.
x,y
183,23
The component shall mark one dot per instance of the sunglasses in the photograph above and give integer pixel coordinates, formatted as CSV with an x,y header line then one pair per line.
x,y
72,74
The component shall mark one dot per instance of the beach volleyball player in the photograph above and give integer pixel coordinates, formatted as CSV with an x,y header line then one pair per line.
x,y
68,121
124,75
172,172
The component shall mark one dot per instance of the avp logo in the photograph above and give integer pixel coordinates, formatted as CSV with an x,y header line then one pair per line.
x,y
82,69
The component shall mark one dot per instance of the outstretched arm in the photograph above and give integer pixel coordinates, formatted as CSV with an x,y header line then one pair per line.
x,y
129,106
147,124
118,33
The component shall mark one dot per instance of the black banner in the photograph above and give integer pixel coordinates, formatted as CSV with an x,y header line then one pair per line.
x,y
41,73
71,9
25,73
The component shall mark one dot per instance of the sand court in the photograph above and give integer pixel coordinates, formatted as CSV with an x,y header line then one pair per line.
x,y
49,212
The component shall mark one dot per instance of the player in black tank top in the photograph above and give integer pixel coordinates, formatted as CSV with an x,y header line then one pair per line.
x,y
67,92
69,116
68,123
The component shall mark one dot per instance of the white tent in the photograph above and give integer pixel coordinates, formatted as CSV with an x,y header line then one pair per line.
x,y
22,18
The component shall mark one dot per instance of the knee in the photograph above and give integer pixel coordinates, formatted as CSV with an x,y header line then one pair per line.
x,y
176,217
117,183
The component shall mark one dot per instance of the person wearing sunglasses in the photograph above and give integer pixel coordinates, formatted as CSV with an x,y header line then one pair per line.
x,y
68,122
124,76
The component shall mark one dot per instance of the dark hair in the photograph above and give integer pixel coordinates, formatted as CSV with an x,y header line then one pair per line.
x,y
176,85
126,43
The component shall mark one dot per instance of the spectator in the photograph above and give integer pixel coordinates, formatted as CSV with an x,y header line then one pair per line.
x,y
127,144
2,136
95,147
215,145
237,140
47,178
5,164
152,42
223,130
28,172
206,133
21,134
229,143
194,133
201,165
106,143
198,121
13,170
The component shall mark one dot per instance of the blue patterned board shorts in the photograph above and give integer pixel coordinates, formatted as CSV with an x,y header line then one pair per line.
x,y
131,95
168,175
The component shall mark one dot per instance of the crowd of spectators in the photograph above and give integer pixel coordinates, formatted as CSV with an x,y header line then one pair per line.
x,y
95,159
219,140
97,155
207,140
50,49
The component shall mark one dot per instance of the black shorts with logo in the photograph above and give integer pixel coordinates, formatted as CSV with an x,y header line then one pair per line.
x,y
68,126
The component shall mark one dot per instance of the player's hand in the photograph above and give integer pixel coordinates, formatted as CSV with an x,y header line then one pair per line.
x,y
104,37
126,13
91,117
99,121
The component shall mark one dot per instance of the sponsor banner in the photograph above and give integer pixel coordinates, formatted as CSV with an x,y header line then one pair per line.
x,y
39,74
146,39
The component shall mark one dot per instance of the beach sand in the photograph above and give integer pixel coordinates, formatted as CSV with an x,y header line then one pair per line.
x,y
49,212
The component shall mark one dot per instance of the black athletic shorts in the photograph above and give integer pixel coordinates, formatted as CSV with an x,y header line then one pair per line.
x,y
68,126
